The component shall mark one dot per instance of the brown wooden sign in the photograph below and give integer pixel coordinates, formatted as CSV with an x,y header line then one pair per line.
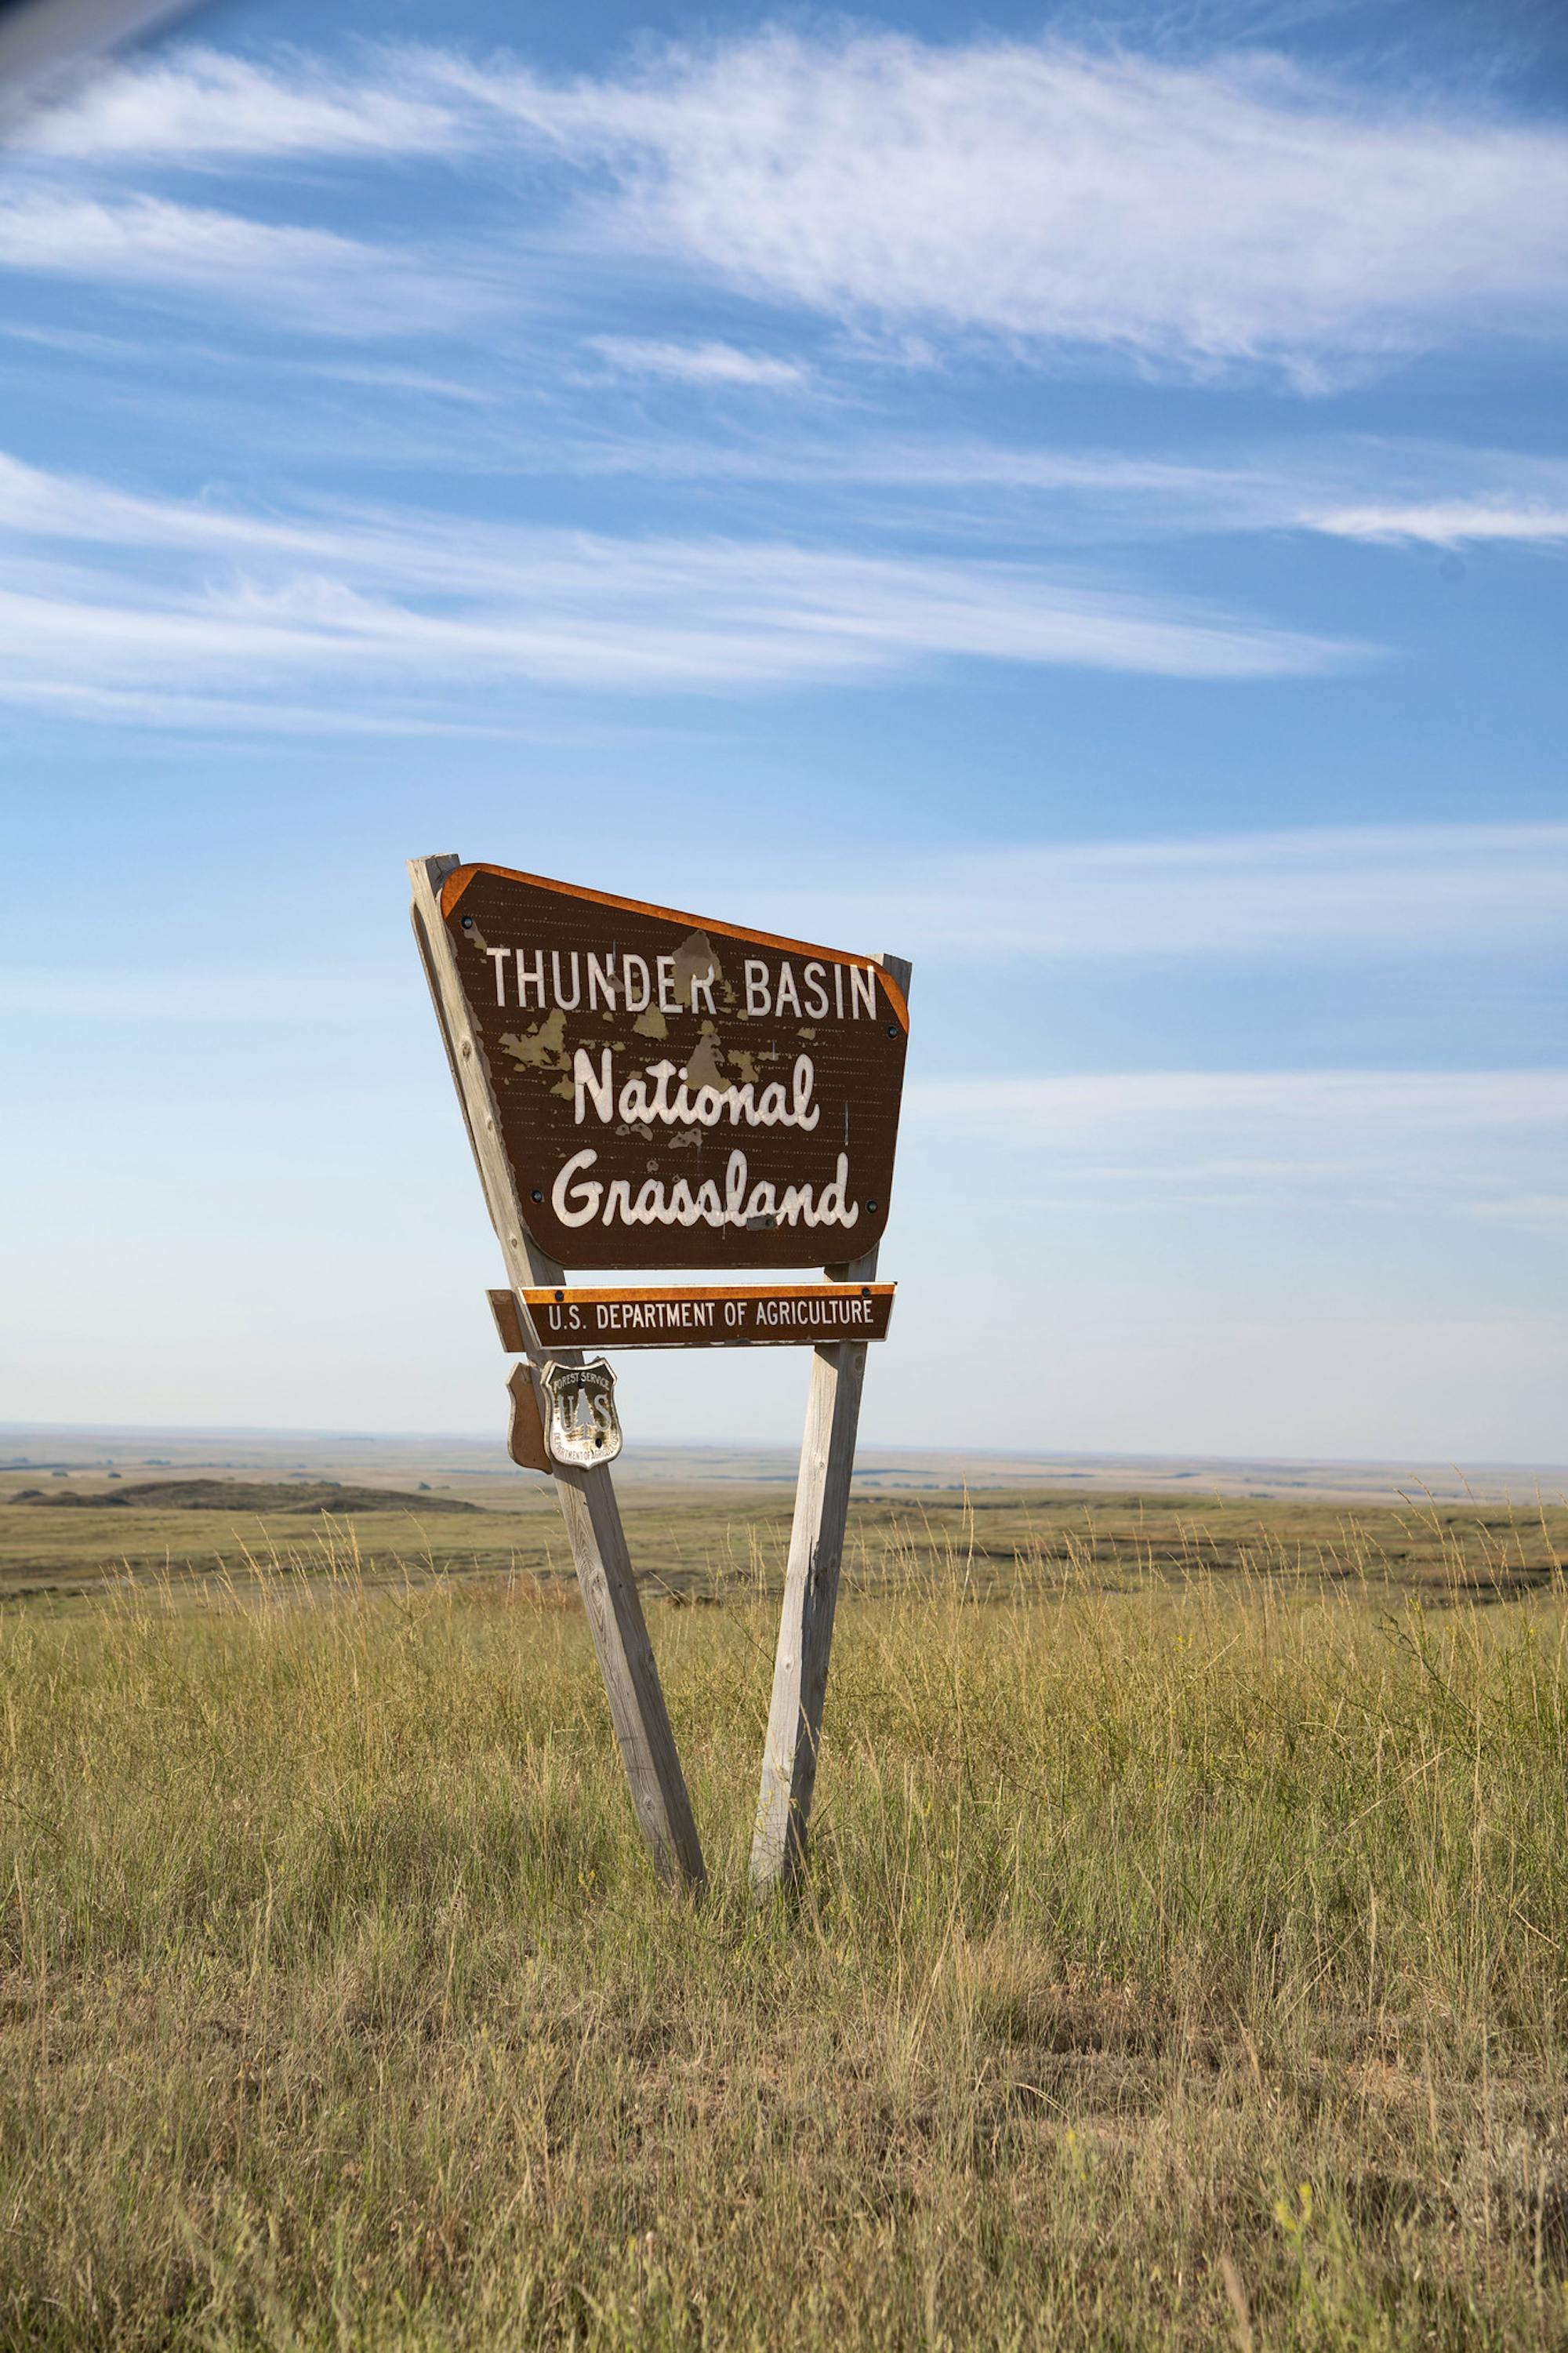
x,y
779,1315
677,1093
644,1089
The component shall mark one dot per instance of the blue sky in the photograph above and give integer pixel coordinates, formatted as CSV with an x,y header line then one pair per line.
x,y
1077,498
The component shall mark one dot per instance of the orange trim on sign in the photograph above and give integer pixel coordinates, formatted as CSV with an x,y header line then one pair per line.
x,y
458,881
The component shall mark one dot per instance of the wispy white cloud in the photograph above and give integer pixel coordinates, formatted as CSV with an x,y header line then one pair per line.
x,y
1477,1141
1447,523
422,382
1357,487
1532,1213
303,993
1306,1101
610,615
711,363
178,704
1438,886
1201,215
1267,491
412,603
312,278
198,106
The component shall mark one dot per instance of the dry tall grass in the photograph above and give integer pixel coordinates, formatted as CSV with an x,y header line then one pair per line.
x,y
1179,1965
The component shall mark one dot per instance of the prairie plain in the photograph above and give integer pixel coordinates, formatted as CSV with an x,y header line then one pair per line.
x,y
1181,1961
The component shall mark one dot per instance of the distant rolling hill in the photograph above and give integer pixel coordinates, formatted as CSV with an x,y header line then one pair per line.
x,y
247,1495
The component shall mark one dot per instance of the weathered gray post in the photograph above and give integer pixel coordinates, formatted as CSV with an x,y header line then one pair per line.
x,y
811,1589
587,1497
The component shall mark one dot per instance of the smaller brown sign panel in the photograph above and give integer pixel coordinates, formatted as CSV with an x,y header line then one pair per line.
x,y
777,1315
525,1439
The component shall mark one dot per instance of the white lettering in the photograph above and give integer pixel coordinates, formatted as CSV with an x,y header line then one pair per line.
x,y
639,1004
863,986
588,1189
575,1204
667,1000
567,1004
788,998
706,987
602,1088
759,998
497,957
652,1094
834,1209
601,981
815,995
527,978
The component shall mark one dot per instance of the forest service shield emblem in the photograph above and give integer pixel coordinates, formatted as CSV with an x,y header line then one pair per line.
x,y
584,1427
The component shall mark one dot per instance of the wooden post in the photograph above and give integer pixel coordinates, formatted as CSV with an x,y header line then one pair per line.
x,y
587,1498
811,1590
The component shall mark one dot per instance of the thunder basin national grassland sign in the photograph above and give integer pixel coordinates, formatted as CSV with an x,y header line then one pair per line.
x,y
649,1089
677,1093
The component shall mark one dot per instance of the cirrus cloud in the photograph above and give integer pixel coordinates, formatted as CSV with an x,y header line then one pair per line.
x,y
1234,211
1198,213
312,278
201,600
711,364
1485,1143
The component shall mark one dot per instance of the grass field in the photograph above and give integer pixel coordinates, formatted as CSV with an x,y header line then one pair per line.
x,y
1182,1959
70,1541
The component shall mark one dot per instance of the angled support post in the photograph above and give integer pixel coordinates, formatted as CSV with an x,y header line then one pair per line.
x,y
587,1497
811,1590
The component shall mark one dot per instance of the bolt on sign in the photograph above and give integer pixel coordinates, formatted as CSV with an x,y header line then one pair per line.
x,y
645,1089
